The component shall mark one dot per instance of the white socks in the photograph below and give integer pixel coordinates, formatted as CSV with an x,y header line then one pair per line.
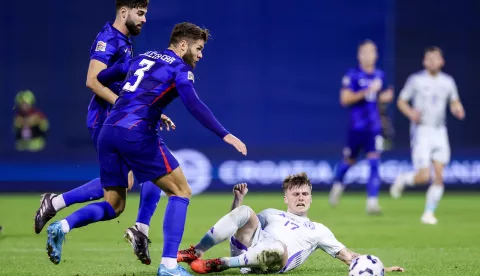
x,y
169,263
65,226
434,194
58,203
142,228
409,178
224,228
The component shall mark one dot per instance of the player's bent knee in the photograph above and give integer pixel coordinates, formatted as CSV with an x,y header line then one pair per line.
x,y
423,176
116,196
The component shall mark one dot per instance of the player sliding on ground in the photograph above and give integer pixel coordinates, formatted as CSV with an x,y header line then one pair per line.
x,y
272,241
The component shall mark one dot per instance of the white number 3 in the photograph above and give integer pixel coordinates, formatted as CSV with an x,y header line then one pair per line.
x,y
140,73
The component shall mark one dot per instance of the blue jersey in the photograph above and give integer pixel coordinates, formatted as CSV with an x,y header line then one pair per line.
x,y
110,47
364,114
154,80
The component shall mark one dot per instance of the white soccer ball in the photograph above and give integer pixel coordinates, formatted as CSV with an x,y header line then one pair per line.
x,y
366,265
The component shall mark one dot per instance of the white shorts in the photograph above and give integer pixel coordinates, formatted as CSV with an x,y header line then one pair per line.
x,y
429,143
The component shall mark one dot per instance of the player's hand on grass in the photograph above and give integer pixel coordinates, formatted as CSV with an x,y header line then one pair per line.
x,y
414,116
167,123
394,269
234,141
240,190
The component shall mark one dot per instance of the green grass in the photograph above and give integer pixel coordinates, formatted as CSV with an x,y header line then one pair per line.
x,y
398,238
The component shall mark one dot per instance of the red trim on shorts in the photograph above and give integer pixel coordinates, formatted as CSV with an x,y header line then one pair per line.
x,y
167,165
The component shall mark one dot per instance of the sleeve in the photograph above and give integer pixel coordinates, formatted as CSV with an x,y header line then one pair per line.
x,y
327,241
408,90
263,217
453,91
104,49
186,91
348,81
113,74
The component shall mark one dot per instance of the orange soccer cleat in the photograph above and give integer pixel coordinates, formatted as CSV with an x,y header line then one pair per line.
x,y
206,266
186,255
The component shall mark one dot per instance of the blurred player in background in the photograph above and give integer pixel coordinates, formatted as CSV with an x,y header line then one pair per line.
x,y
30,124
128,141
430,91
111,46
362,87
272,241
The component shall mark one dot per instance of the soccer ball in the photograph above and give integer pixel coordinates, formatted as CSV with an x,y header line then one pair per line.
x,y
366,265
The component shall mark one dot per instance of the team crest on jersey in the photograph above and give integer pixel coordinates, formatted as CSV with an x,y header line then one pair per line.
x,y
101,46
309,225
191,76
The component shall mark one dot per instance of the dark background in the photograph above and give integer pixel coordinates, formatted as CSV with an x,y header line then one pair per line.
x,y
271,74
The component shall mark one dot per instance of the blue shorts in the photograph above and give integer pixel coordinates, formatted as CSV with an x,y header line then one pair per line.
x,y
121,150
366,140
94,133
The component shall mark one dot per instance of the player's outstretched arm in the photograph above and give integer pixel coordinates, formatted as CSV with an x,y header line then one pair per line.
x,y
239,192
94,84
347,256
203,114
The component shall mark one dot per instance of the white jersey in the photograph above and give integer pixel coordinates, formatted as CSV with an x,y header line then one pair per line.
x,y
430,96
299,234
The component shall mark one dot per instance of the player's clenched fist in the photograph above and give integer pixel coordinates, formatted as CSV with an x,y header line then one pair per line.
x,y
240,190
234,141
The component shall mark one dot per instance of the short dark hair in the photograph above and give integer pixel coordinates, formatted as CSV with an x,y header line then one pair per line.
x,y
188,30
431,49
131,4
365,42
295,181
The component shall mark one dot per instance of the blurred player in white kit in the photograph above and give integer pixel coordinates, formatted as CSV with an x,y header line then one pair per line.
x,y
430,91
273,241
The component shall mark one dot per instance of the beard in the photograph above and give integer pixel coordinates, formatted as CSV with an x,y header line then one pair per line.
x,y
132,28
189,58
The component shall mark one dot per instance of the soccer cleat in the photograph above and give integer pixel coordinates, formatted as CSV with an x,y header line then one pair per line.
x,y
374,210
55,239
335,194
140,243
429,218
206,266
186,255
396,189
45,213
177,271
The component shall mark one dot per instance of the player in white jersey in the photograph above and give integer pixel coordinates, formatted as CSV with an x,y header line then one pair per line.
x,y
430,91
272,241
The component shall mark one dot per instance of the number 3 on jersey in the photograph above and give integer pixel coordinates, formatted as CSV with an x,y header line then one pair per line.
x,y
140,73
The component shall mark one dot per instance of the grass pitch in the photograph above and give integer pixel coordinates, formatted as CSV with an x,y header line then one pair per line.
x,y
397,237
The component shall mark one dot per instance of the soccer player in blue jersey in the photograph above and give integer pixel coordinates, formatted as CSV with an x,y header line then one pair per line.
x,y
111,46
362,88
128,141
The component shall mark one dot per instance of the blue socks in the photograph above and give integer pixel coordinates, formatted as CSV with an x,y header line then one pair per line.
x,y
174,225
373,185
98,211
149,197
340,171
87,192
